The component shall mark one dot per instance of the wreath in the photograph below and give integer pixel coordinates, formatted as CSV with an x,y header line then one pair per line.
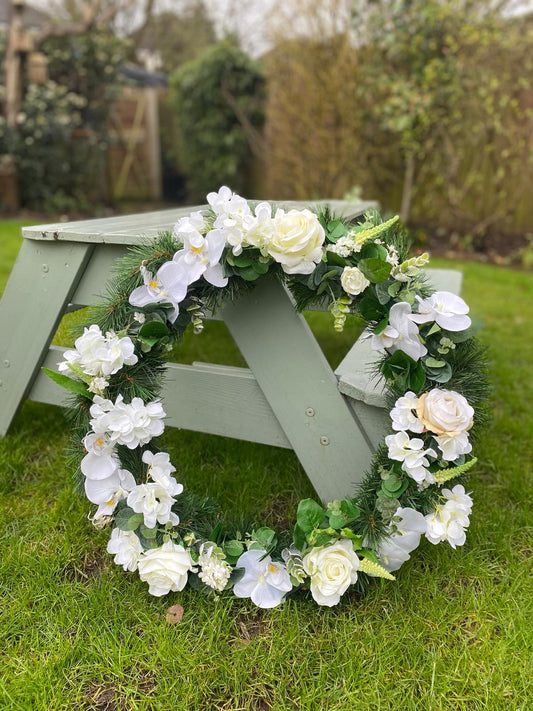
x,y
433,367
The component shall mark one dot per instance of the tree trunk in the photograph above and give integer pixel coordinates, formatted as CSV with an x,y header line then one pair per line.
x,y
13,62
407,191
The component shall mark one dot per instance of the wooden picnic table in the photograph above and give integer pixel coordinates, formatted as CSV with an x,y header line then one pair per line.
x,y
287,397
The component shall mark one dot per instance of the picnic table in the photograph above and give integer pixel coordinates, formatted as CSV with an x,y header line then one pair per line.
x,y
287,397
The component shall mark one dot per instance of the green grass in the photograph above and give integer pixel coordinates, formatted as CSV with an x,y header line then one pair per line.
x,y
453,633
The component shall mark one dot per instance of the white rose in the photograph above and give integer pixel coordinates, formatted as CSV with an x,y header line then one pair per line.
x,y
165,568
353,281
297,241
332,570
445,412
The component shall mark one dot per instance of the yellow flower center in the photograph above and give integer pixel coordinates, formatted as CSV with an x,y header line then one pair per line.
x,y
153,284
197,249
110,502
272,568
99,441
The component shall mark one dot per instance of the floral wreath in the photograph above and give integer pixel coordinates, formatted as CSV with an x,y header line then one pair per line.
x,y
432,366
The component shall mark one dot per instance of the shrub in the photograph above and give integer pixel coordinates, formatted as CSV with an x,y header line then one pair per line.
x,y
217,98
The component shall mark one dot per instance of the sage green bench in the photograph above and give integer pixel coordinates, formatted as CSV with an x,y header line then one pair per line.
x,y
287,397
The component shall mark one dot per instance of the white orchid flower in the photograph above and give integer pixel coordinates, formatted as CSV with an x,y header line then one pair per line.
x,y
200,256
446,309
401,334
395,549
169,285
108,492
264,581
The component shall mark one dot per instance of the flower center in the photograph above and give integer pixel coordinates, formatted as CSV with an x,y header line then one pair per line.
x,y
198,250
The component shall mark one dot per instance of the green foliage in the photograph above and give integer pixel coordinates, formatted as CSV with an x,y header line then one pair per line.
x,y
212,96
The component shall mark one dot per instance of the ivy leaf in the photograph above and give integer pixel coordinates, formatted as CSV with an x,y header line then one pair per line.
x,y
68,383
375,270
309,515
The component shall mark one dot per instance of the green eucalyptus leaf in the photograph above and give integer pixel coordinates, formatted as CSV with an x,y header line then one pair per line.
x,y
434,363
148,533
382,292
127,520
440,375
233,549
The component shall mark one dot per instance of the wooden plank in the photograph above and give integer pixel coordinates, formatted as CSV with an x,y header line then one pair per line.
x,y
297,381
220,400
135,228
39,289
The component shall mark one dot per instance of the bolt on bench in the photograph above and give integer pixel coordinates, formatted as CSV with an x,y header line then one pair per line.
x,y
332,420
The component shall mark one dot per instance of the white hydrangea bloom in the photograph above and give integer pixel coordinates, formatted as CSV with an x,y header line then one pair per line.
x,y
460,497
126,548
448,523
155,503
261,231
407,527
234,217
264,581
99,355
130,424
98,386
448,310
214,572
401,334
413,456
403,414
453,447
160,468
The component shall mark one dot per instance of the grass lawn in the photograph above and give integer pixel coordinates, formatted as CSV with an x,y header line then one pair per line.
x,y
454,632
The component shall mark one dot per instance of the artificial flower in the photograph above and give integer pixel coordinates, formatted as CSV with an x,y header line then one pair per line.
x,y
200,256
264,581
445,309
448,523
109,491
165,568
454,446
214,572
445,412
403,413
99,355
130,424
332,569
126,548
160,468
297,241
353,281
413,456
155,503
401,334
168,286
403,537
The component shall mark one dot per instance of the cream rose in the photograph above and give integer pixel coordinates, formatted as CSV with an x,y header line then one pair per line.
x,y
332,570
165,568
297,241
353,281
445,412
